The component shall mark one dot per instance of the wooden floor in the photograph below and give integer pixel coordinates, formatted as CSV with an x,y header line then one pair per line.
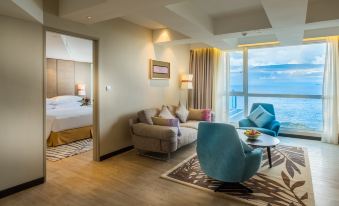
x,y
130,179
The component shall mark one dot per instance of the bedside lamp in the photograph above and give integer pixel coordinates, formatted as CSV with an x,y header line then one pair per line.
x,y
81,89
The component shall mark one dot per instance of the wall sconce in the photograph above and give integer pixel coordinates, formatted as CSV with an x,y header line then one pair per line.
x,y
186,81
81,89
186,84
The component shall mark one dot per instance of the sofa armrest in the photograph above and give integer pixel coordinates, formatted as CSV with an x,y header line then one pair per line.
x,y
155,131
246,123
212,116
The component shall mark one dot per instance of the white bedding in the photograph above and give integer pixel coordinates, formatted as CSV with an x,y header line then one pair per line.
x,y
67,116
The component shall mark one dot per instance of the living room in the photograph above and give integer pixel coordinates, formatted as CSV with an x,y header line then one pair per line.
x,y
223,102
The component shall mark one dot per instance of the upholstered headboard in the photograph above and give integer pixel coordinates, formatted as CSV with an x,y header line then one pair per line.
x,y
64,75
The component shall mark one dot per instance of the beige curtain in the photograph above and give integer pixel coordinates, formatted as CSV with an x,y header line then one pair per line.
x,y
204,64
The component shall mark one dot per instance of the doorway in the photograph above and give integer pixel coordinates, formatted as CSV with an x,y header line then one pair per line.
x,y
70,91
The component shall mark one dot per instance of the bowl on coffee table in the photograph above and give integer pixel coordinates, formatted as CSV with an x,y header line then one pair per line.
x,y
252,134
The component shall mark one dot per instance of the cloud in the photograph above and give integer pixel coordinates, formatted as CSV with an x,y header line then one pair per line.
x,y
300,54
319,59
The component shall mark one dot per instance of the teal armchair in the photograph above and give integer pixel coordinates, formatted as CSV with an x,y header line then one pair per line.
x,y
272,128
224,156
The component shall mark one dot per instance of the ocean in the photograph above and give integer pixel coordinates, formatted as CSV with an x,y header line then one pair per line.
x,y
301,114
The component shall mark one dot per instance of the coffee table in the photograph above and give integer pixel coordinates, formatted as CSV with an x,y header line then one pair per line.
x,y
263,140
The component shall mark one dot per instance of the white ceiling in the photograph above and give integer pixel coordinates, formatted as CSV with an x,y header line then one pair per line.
x,y
218,8
218,23
59,46
30,10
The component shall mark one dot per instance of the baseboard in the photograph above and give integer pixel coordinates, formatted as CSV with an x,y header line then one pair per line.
x,y
300,136
21,187
111,154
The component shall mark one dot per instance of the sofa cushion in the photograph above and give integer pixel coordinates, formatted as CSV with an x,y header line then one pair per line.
x,y
165,113
172,109
200,115
155,131
190,124
167,122
260,116
188,135
182,113
145,116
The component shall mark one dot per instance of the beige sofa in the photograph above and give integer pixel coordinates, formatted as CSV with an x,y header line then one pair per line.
x,y
162,139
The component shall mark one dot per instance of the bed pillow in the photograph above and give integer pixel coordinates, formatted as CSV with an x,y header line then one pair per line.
x,y
260,117
66,99
182,113
167,122
165,113
200,115
50,101
145,116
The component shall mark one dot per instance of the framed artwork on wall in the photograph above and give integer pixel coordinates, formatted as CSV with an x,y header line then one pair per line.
x,y
159,70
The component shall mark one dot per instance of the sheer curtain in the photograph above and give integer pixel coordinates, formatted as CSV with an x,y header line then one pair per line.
x,y
331,92
221,91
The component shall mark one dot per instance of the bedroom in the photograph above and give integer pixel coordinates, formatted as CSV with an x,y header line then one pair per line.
x,y
69,94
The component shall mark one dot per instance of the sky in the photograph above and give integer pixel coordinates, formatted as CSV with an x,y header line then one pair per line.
x,y
299,69
301,54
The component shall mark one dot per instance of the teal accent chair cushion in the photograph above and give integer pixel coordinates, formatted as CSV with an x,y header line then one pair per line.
x,y
271,128
223,155
260,117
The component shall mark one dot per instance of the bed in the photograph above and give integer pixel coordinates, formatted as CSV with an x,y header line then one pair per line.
x,y
67,121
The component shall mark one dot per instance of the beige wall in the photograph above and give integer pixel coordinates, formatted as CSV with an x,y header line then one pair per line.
x,y
124,53
21,106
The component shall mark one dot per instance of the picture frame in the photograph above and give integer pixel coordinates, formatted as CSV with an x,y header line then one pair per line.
x,y
160,70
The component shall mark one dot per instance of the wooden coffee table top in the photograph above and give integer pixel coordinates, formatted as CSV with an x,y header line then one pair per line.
x,y
264,140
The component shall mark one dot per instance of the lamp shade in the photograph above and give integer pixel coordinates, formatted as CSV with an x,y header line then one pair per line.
x,y
186,81
81,89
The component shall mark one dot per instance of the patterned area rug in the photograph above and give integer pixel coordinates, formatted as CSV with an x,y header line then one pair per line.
x,y
288,182
67,150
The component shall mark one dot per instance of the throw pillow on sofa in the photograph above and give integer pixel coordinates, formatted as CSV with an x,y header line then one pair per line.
x,y
182,113
145,116
200,115
165,113
260,116
167,122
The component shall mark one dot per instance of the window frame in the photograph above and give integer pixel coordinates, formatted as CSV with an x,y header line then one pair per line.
x,y
247,95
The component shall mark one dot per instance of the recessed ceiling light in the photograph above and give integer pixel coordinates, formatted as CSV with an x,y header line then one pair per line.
x,y
89,17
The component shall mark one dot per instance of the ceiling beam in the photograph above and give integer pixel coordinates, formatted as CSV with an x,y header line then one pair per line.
x,y
241,22
194,15
102,10
287,19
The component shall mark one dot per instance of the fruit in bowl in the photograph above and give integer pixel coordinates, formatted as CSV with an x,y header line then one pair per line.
x,y
252,134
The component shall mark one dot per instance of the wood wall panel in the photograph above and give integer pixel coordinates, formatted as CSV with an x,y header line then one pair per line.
x,y
51,78
65,77
83,76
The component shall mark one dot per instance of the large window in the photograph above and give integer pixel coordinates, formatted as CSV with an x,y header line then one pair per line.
x,y
289,77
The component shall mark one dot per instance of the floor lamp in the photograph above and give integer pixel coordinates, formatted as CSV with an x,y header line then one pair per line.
x,y
186,84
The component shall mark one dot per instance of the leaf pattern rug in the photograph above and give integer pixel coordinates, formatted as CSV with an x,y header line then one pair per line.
x,y
288,182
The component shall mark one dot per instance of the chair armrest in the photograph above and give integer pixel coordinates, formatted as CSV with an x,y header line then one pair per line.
x,y
253,158
155,131
246,123
275,126
246,147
